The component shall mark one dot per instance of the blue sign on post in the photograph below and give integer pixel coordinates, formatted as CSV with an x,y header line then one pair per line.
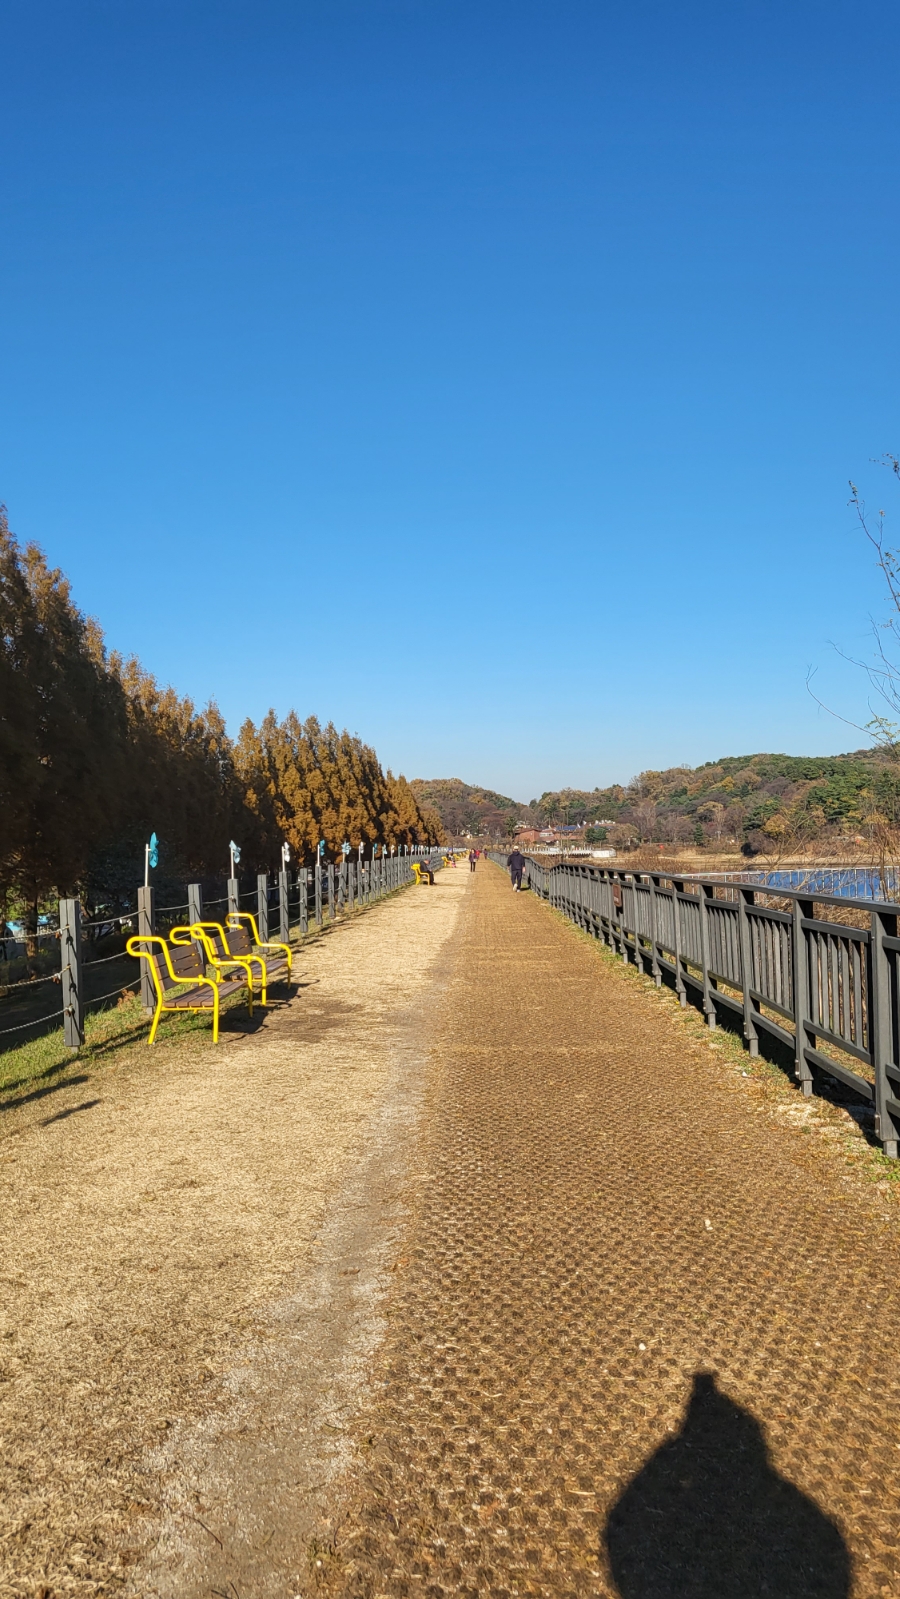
x,y
151,857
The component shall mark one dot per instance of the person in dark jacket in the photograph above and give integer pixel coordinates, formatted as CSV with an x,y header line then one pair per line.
x,y
515,860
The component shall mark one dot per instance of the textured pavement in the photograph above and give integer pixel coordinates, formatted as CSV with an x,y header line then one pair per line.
x,y
644,1339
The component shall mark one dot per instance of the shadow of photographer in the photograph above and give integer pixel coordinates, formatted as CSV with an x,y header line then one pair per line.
x,y
708,1516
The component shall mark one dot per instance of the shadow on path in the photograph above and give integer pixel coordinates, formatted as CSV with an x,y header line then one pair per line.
x,y
709,1516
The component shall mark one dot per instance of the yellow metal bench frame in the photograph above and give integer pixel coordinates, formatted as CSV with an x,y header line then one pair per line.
x,y
144,947
222,965
261,947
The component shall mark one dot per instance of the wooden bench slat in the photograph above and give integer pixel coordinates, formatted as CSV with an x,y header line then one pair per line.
x,y
186,961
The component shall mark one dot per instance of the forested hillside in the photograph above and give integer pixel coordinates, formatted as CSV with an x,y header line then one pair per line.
x,y
464,808
94,754
745,799
752,801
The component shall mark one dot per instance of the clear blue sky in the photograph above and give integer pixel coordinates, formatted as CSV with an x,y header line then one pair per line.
x,y
483,376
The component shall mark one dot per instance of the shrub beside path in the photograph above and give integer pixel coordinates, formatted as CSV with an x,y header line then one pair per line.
x,y
188,1234
645,1338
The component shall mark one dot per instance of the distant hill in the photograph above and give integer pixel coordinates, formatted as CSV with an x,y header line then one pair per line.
x,y
746,798
749,799
464,808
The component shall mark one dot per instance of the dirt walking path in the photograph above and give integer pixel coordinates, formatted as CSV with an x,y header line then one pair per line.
x,y
194,1245
645,1339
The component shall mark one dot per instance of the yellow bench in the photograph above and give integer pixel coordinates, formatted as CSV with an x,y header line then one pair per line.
x,y
230,947
180,981
245,940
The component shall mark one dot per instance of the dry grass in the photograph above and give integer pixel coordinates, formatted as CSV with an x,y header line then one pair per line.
x,y
155,1203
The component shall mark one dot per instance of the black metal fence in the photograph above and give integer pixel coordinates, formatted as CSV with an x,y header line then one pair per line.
x,y
286,905
827,991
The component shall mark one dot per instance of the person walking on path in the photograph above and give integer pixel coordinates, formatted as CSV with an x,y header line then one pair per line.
x,y
473,857
515,860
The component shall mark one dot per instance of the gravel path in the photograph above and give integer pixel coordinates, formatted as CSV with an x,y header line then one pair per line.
x,y
645,1340
194,1245
471,1272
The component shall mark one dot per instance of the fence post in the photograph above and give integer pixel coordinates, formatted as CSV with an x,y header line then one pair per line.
x,y
262,906
677,891
636,902
883,1032
284,906
604,904
71,968
654,929
318,892
618,907
746,897
195,913
706,893
303,887
146,928
331,891
234,896
800,965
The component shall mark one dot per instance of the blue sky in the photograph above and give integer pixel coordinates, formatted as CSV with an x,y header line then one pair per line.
x,y
484,376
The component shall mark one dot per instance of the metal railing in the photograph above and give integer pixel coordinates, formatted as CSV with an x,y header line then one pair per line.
x,y
813,985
